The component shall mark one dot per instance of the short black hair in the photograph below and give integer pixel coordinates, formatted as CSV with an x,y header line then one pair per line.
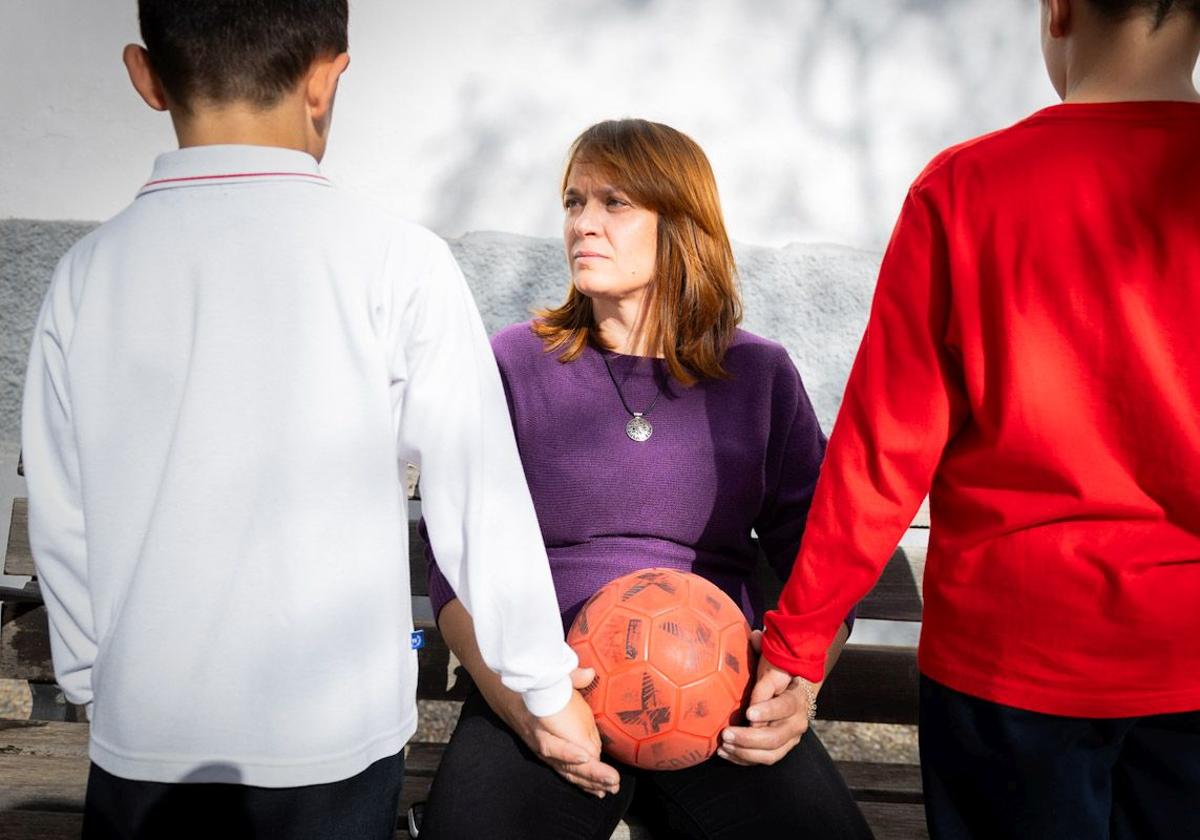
x,y
238,50
1121,9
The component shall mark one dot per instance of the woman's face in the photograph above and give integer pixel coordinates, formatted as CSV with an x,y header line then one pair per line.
x,y
611,242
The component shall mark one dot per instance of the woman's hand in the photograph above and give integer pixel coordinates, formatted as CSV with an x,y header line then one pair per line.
x,y
567,741
557,739
779,711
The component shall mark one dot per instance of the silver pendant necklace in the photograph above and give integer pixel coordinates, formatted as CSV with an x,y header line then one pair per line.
x,y
638,429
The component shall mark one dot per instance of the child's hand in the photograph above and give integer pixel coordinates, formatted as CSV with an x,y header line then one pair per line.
x,y
569,743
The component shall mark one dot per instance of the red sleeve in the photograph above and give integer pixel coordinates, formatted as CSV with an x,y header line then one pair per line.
x,y
903,401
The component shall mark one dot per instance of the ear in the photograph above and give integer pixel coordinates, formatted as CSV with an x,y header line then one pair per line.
x,y
1059,23
142,76
321,85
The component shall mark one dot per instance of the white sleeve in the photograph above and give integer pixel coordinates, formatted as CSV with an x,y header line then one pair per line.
x,y
483,530
56,524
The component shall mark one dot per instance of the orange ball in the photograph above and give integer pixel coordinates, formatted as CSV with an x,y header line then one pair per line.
x,y
672,658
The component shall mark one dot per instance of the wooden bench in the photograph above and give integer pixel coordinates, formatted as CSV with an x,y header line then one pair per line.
x,y
43,760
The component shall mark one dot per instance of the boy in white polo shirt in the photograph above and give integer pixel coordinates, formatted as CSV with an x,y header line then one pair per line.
x,y
225,384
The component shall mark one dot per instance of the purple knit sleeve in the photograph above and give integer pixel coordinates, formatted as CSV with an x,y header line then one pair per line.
x,y
794,454
440,591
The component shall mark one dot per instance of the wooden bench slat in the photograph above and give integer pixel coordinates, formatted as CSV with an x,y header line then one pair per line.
x,y
851,693
41,825
872,781
891,821
868,781
872,684
46,738
897,596
439,674
30,593
25,643
18,558
423,758
25,653
418,579
42,782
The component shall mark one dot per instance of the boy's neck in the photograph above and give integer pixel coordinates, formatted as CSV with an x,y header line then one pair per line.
x,y
241,123
1131,61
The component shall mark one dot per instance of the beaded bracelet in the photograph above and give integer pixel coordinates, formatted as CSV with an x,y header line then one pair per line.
x,y
810,694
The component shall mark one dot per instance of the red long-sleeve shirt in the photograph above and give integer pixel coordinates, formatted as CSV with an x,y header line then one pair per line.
x,y
1032,361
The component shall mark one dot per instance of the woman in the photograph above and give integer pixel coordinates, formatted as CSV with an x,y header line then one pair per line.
x,y
653,432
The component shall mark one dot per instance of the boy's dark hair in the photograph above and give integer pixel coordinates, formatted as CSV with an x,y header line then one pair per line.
x,y
1121,9
238,50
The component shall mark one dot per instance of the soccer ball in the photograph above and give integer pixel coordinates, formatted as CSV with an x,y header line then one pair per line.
x,y
672,658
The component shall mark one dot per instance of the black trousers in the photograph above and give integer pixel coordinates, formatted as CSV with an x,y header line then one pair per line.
x,y
992,771
362,807
489,784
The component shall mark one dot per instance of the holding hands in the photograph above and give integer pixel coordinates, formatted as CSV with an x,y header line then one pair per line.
x,y
779,712
567,741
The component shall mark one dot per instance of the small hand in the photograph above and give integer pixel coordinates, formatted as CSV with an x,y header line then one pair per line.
x,y
569,743
778,712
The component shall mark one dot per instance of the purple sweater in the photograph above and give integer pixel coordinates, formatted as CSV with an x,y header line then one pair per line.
x,y
726,456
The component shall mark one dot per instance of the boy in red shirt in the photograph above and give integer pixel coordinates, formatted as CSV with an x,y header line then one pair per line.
x,y
1031,362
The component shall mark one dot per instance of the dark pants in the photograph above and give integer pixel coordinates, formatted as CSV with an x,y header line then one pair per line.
x,y
992,771
364,806
490,785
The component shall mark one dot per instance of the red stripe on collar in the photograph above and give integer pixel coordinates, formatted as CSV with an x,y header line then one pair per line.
x,y
235,175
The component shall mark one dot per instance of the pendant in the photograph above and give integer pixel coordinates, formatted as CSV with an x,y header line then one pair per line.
x,y
639,429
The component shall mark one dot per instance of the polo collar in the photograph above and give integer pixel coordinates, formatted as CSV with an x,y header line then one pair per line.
x,y
198,166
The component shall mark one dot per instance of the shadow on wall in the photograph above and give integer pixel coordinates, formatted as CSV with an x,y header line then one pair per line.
x,y
816,113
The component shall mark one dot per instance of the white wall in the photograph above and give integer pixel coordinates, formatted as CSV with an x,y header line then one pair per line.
x,y
457,113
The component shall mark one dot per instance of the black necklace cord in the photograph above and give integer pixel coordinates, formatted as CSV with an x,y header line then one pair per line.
x,y
621,396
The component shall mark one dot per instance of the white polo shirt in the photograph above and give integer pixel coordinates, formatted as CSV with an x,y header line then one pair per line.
x,y
225,384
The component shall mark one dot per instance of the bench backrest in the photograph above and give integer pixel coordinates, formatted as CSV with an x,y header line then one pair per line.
x,y
870,683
